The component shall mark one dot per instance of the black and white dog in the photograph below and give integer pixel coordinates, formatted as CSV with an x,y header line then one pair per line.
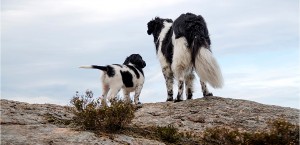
x,y
129,77
183,46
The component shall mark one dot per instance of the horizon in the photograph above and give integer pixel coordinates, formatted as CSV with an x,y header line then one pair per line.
x,y
44,42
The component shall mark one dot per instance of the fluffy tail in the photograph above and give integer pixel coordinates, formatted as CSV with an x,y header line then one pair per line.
x,y
207,68
103,68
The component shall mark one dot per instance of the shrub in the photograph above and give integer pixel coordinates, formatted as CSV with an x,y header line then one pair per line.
x,y
168,133
90,115
281,133
118,115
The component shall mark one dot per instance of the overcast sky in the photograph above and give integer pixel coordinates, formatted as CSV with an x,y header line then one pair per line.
x,y
44,41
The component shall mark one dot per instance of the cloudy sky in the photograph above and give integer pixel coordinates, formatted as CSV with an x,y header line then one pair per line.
x,y
44,41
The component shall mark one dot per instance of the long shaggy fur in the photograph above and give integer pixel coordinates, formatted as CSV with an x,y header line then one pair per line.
x,y
189,49
128,76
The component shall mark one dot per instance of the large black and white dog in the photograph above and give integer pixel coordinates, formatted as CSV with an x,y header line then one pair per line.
x,y
129,77
183,46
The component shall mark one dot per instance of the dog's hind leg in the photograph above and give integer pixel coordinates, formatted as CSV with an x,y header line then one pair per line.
x,y
205,91
189,82
137,94
168,75
113,93
105,89
181,64
126,95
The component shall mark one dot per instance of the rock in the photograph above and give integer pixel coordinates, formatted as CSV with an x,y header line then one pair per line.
x,y
23,123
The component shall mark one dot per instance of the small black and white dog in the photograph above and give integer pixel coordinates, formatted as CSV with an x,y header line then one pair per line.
x,y
183,46
129,77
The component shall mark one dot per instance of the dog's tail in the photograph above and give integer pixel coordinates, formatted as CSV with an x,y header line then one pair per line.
x,y
206,66
103,68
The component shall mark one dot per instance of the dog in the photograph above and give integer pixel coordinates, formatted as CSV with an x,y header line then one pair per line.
x,y
182,47
128,76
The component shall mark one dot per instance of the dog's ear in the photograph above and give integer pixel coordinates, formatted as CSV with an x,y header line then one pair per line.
x,y
151,27
127,60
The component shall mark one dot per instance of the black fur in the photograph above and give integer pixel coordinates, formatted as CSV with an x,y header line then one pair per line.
x,y
118,65
127,79
189,94
134,70
194,29
167,46
136,60
109,70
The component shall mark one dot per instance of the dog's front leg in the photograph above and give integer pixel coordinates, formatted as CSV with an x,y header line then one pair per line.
x,y
168,75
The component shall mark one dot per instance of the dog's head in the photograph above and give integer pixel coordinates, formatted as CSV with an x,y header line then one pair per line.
x,y
136,60
156,25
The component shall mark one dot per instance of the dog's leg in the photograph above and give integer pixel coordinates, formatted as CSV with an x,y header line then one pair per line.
x,y
205,91
113,93
180,90
189,82
126,96
168,75
137,94
105,89
181,64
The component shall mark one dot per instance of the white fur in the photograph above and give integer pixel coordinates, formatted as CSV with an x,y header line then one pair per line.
x,y
181,65
208,69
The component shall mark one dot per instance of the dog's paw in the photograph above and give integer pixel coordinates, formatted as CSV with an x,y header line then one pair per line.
x,y
208,94
169,99
177,100
139,105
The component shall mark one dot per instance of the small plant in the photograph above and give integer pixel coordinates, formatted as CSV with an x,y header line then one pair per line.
x,y
118,115
168,133
86,111
281,133
221,136
90,115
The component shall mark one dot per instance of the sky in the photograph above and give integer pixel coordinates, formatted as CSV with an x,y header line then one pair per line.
x,y
43,42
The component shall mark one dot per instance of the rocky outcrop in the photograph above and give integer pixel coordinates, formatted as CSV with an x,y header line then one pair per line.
x,y
23,123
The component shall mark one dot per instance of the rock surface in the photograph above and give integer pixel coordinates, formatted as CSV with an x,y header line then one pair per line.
x,y
23,123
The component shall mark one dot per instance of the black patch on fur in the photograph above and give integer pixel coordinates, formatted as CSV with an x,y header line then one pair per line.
x,y
205,94
127,79
134,70
103,68
170,99
118,65
190,94
194,29
110,71
178,98
180,85
170,93
167,46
